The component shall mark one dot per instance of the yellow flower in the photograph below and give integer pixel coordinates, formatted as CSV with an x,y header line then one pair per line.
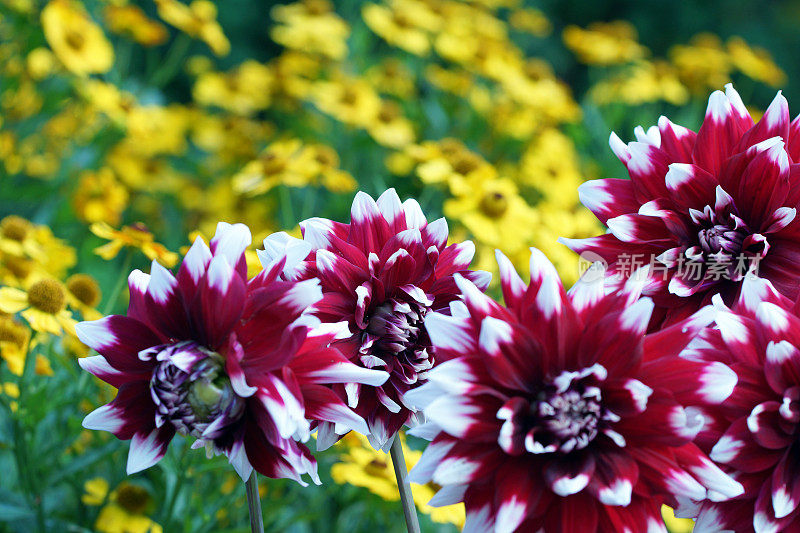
x,y
494,212
14,341
198,20
83,294
16,235
675,525
154,129
530,20
324,163
136,236
311,27
124,510
75,39
131,21
363,466
351,101
281,163
230,138
755,62
43,305
449,162
549,164
390,128
396,27
100,197
108,99
642,82
604,43
244,90
40,63
52,254
391,76
703,63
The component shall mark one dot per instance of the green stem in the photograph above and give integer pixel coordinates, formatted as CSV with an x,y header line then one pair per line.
x,y
254,504
401,473
287,209
173,62
123,277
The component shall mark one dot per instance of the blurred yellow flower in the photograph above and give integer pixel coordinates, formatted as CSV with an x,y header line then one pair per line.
x,y
392,76
124,509
14,342
197,20
494,212
390,128
43,305
131,21
83,294
75,39
244,90
135,236
640,83
604,43
40,63
396,27
312,27
99,197
351,101
703,63
530,20
363,466
675,525
755,62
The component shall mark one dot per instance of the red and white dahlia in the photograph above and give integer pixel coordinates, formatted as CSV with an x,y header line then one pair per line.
x,y
557,413
703,208
382,274
234,363
755,434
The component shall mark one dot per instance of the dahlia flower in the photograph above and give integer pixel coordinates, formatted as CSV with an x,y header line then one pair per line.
x,y
557,413
233,363
382,274
704,209
753,435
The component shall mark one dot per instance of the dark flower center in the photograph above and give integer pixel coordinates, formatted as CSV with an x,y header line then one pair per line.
x,y
494,204
192,391
84,288
47,295
566,414
395,334
14,228
132,498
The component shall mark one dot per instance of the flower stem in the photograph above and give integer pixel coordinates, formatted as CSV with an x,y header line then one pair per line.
x,y
123,277
254,504
401,473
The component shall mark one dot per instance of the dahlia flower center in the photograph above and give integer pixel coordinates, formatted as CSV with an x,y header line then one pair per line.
x,y
47,295
192,391
566,414
394,336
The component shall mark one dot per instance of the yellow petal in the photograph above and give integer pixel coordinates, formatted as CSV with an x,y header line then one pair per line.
x,y
13,300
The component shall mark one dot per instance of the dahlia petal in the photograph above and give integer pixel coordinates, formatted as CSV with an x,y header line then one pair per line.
x,y
763,185
550,295
449,333
165,305
317,232
237,456
435,453
448,495
368,229
619,148
105,418
782,365
608,198
282,245
283,405
148,448
718,135
764,518
635,318
651,136
222,295
193,267
614,477
493,333
137,289
690,185
99,367
756,290
391,209
478,520
415,218
779,219
455,258
322,404
576,514
737,449
793,141
647,167
230,241
639,228
775,320
436,233
337,272
765,422
710,475
516,497
465,466
119,339
569,475
786,484
589,290
510,282
677,141
774,123
336,371
462,417
740,112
